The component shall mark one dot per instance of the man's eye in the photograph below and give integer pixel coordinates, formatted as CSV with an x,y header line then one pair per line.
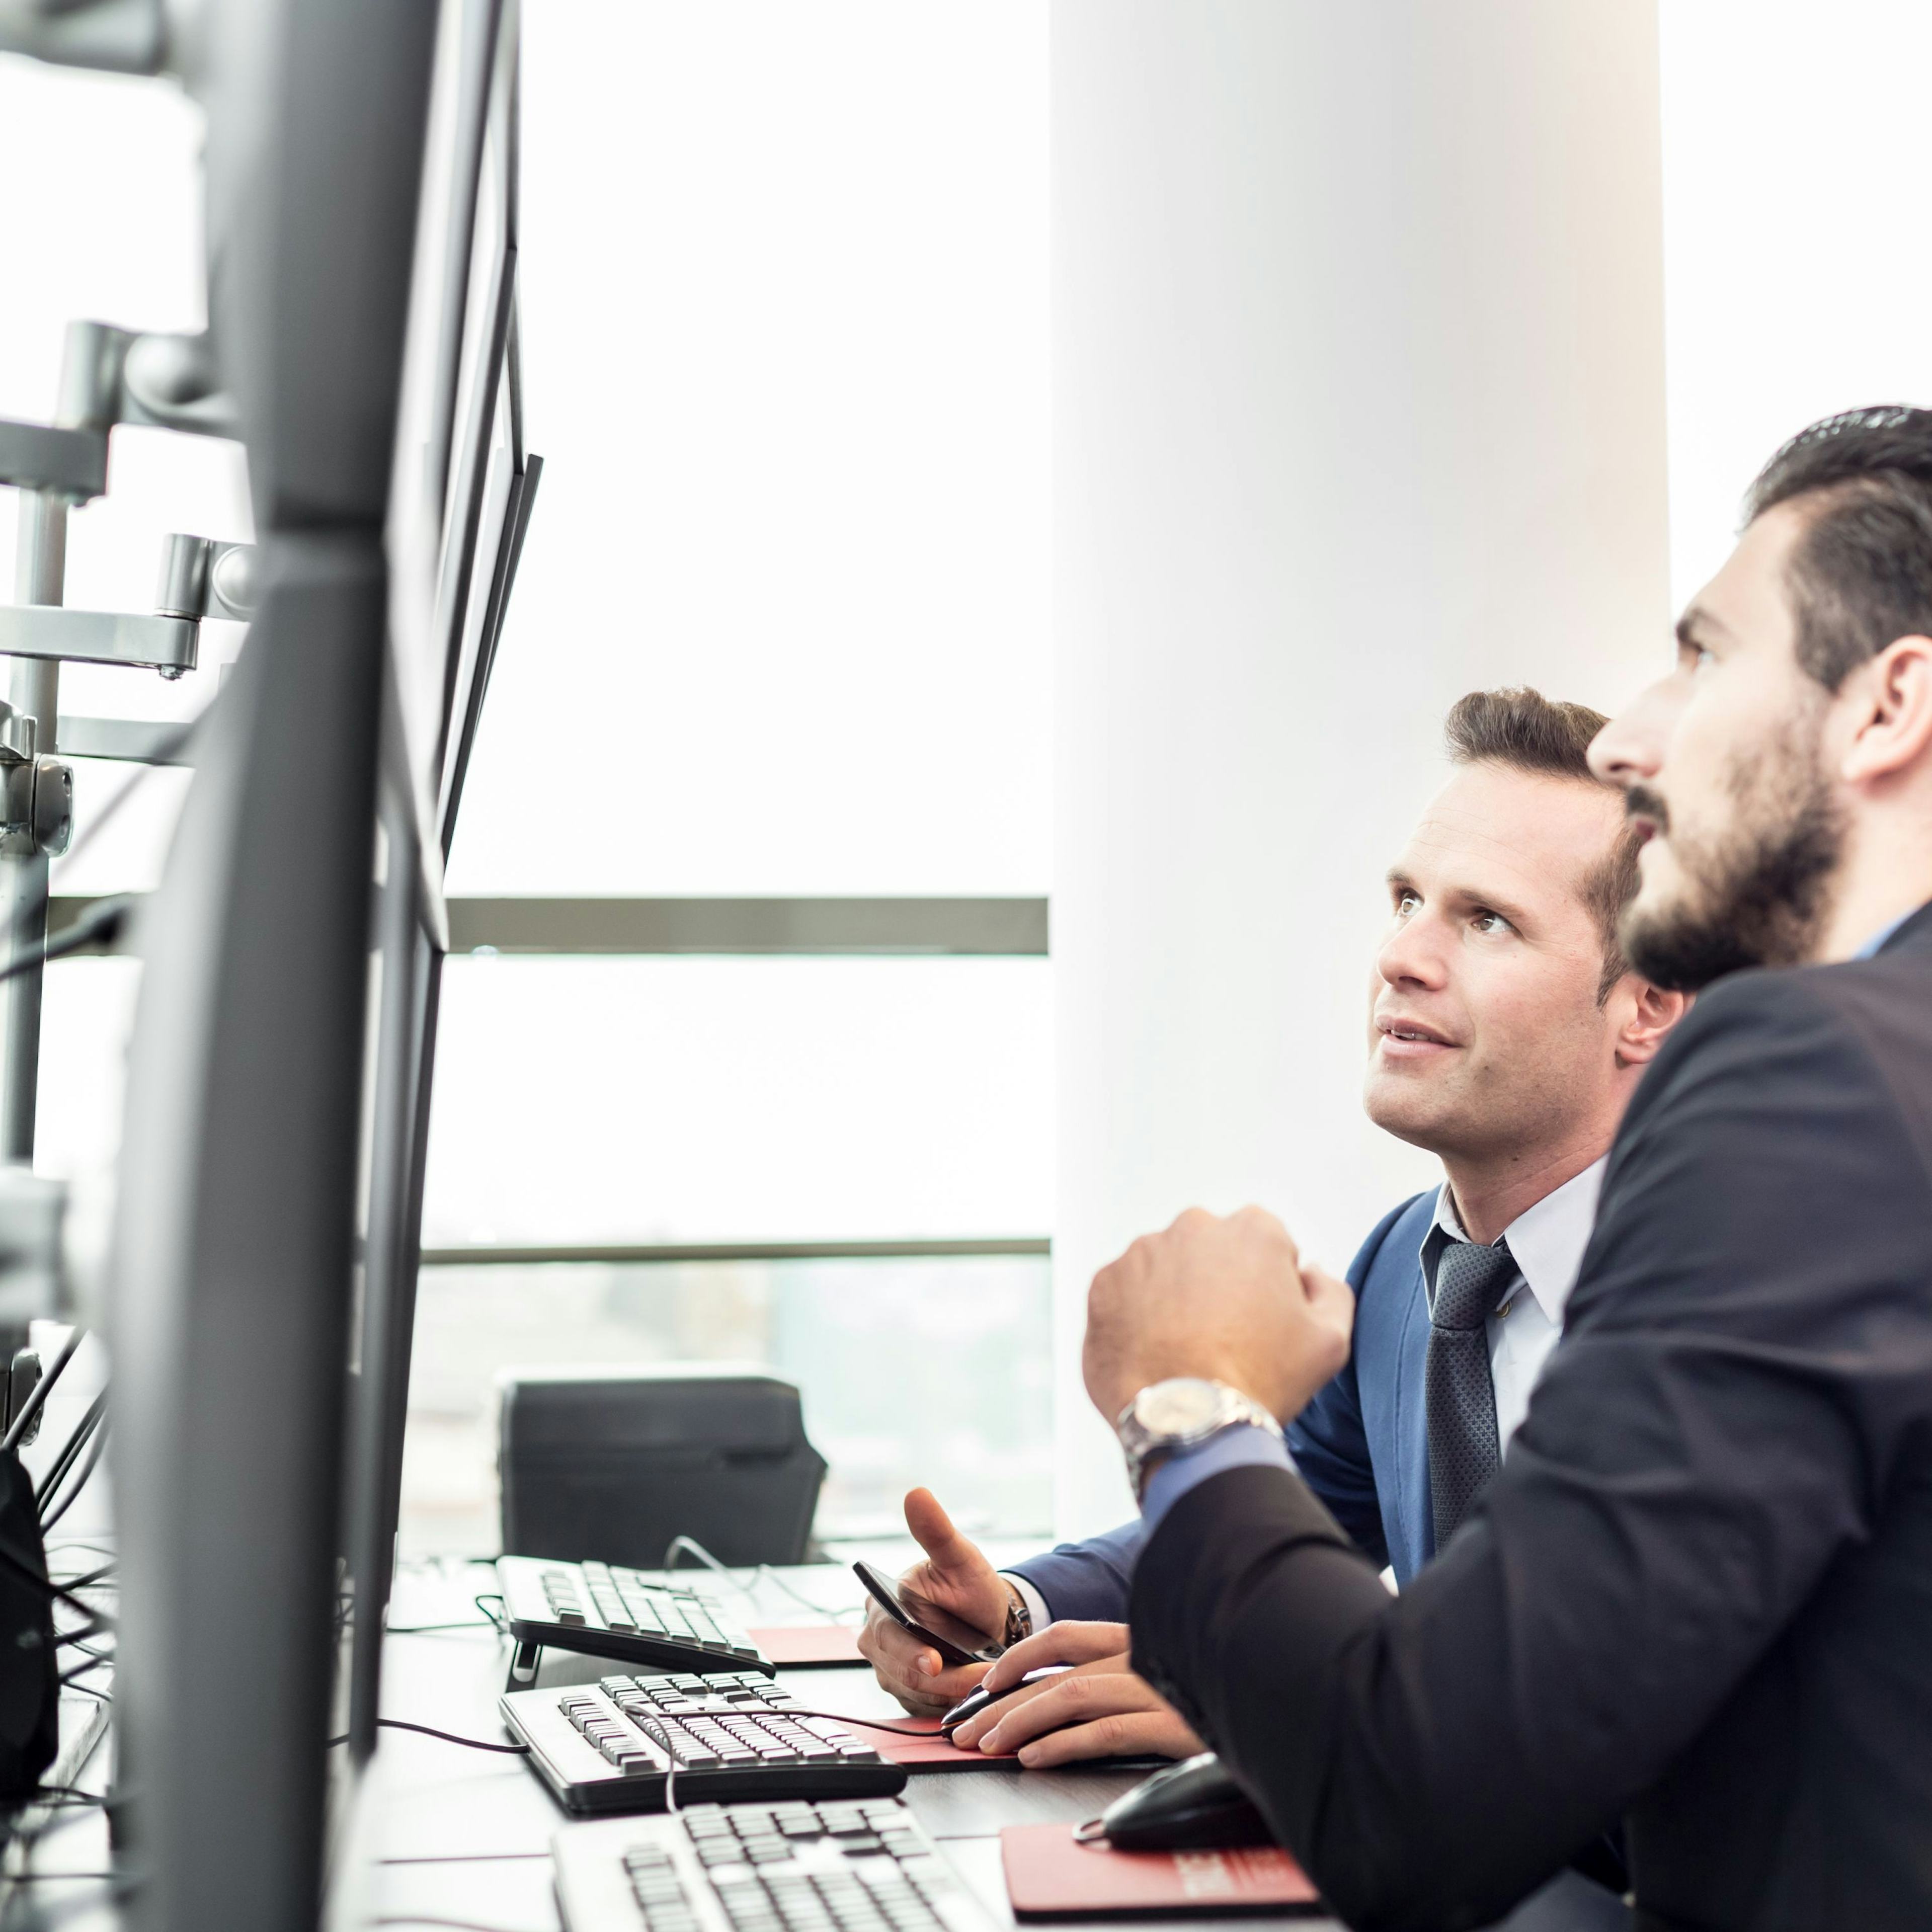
x,y
1491,922
1701,659
1406,903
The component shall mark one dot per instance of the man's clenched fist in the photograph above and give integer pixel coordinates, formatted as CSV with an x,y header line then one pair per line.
x,y
1226,1298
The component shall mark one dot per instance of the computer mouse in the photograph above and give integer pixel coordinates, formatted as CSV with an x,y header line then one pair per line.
x,y
977,1700
1193,1806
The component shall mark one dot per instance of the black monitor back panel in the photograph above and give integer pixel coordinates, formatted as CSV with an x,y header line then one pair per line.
x,y
613,1467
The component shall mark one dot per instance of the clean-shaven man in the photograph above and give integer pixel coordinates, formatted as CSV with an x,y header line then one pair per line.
x,y
1698,1594
1506,1035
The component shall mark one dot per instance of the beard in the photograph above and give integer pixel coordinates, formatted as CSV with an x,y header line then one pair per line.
x,y
1758,894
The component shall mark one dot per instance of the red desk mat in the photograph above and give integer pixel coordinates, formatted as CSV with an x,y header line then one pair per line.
x,y
794,1644
929,1751
1051,1874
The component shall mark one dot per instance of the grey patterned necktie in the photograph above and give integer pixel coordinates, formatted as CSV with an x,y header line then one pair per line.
x,y
1464,1452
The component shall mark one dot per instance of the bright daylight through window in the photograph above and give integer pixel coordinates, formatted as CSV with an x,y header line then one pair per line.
x,y
780,634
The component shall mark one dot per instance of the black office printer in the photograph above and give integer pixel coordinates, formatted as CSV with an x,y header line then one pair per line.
x,y
611,1464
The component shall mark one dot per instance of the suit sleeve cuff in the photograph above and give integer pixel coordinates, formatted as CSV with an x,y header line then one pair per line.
x,y
1243,1445
1037,1612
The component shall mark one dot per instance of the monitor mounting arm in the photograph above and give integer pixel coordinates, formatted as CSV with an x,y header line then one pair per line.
x,y
109,376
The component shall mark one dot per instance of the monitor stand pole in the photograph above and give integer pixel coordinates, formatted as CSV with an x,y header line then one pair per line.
x,y
40,577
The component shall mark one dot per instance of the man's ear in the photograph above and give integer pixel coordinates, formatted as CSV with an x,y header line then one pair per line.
x,y
1890,720
1649,1013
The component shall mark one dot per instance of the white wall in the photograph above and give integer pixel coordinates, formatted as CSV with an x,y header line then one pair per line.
x,y
1797,278
1358,403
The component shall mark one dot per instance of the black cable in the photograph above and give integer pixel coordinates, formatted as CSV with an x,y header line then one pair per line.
x,y
424,1919
31,915
447,1737
13,1560
81,1670
79,1482
102,921
840,1717
72,1447
488,1621
30,1407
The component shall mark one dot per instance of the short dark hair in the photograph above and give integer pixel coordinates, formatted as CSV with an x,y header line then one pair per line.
x,y
1527,732
1860,573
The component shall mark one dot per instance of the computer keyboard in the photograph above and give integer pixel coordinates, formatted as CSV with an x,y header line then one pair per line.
x,y
795,1868
730,1730
610,1612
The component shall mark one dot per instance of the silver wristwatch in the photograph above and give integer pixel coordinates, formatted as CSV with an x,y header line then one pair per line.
x,y
1178,1414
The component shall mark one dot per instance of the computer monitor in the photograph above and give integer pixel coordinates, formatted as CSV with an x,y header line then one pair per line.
x,y
256,1482
464,483
465,486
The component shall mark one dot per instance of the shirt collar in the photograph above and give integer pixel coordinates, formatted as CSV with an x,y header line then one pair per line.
x,y
1874,946
1546,1240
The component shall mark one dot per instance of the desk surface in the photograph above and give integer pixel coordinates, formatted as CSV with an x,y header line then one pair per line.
x,y
460,1836
454,1837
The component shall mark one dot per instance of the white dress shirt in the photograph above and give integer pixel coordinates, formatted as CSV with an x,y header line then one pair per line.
x,y
1547,1241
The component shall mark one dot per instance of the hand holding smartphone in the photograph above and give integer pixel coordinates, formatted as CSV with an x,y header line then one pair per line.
x,y
956,1642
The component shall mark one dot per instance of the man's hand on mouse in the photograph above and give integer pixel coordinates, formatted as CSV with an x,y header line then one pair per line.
x,y
1225,1298
956,1577
1098,1709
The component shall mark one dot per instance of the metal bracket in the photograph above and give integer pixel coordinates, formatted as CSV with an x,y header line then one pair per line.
x,y
115,376
118,36
36,793
168,645
200,577
37,456
137,741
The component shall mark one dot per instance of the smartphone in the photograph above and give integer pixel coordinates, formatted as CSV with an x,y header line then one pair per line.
x,y
956,1643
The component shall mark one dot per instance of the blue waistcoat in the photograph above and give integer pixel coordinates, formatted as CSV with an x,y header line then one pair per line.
x,y
1360,1445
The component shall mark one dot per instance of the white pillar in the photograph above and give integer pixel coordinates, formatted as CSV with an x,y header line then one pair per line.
x,y
1358,404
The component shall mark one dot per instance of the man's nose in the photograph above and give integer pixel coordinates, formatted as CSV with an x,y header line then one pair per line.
x,y
1629,750
1412,954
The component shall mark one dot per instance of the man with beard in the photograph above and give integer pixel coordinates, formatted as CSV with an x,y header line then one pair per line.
x,y
1505,1035
1698,1594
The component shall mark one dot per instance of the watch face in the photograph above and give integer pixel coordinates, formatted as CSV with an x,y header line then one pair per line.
x,y
1178,1408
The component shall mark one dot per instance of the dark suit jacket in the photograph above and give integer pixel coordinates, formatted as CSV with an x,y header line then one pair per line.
x,y
1362,1444
1699,1593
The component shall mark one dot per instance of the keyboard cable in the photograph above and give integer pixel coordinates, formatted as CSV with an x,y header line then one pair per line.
x,y
447,1737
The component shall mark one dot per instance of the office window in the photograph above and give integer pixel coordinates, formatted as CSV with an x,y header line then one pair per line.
x,y
780,630
783,609
928,1371
748,1100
